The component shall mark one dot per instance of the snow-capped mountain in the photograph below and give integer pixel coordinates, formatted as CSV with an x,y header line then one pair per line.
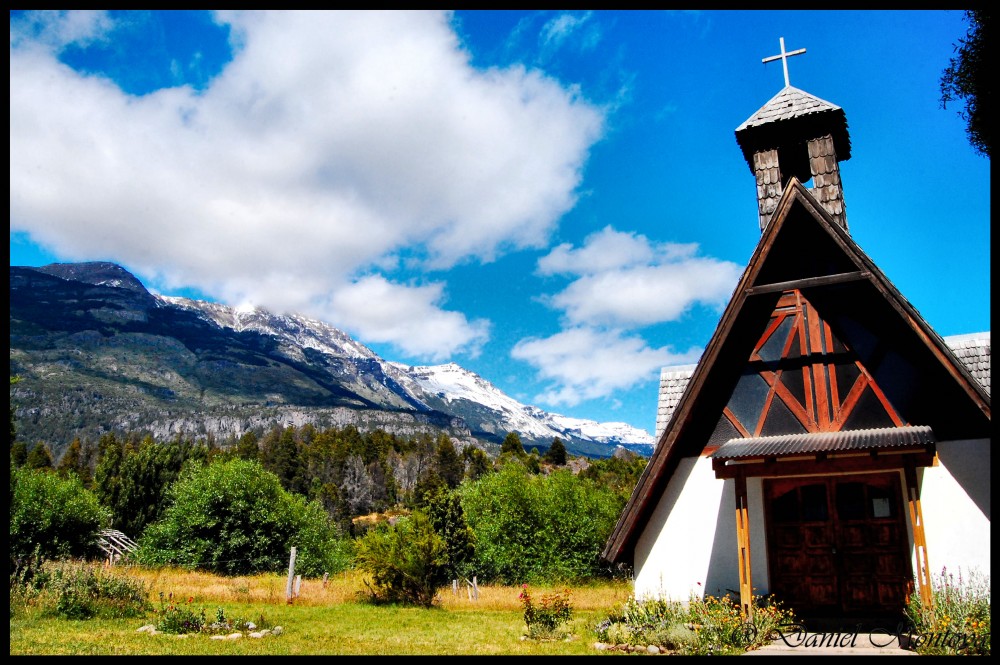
x,y
486,408
219,368
448,388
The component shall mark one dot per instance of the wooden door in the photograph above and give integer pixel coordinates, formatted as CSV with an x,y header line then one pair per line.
x,y
838,545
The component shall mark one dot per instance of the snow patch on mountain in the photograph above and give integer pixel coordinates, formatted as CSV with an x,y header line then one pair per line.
x,y
451,383
294,329
443,387
621,433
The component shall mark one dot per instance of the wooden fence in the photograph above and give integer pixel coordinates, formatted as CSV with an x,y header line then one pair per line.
x,y
115,545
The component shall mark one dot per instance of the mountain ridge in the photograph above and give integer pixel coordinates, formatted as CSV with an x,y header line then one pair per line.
x,y
169,365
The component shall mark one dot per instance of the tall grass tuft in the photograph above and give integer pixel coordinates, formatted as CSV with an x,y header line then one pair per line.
x,y
76,590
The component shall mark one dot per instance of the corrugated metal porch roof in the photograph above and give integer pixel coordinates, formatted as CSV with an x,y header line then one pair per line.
x,y
792,444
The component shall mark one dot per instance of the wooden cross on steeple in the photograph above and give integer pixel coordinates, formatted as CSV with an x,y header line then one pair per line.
x,y
784,56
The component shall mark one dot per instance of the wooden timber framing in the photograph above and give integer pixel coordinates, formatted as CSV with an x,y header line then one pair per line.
x,y
919,539
743,545
809,282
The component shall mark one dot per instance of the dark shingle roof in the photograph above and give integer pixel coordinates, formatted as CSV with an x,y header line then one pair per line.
x,y
673,381
974,352
789,103
792,117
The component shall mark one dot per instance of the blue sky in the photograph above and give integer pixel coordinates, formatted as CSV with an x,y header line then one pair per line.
x,y
553,200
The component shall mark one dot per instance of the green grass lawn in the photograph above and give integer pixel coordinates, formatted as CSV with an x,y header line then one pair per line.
x,y
324,620
342,629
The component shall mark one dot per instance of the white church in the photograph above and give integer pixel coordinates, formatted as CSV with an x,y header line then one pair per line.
x,y
829,447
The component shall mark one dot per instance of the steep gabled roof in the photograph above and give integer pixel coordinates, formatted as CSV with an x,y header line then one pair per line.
x,y
803,248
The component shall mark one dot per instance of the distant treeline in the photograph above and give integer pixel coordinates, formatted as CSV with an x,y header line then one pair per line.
x,y
349,472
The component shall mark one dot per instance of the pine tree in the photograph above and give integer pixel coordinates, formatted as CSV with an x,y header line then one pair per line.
x,y
556,454
449,464
477,463
247,447
18,454
281,458
71,461
40,457
512,444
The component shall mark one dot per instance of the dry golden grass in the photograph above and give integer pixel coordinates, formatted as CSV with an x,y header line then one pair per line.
x,y
270,589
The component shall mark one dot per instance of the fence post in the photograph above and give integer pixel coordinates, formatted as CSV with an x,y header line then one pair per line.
x,y
475,587
298,585
454,587
326,576
291,576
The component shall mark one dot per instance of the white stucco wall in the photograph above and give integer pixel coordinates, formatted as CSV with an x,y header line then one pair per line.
x,y
689,544
688,547
955,498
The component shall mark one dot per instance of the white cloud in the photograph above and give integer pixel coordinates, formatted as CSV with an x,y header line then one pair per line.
x,y
56,29
330,145
620,282
584,363
408,317
557,31
622,279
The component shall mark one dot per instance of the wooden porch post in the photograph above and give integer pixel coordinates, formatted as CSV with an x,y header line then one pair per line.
x,y
743,543
919,540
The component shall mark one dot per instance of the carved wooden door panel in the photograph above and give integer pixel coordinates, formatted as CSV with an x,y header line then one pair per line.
x,y
801,548
875,571
838,546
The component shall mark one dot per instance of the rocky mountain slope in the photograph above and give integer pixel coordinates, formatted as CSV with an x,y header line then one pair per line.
x,y
98,352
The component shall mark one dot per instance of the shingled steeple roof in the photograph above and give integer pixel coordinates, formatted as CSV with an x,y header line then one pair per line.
x,y
792,106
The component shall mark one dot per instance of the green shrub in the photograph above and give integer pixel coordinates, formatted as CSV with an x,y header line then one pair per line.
x,y
675,637
959,621
178,618
444,508
538,529
407,562
547,617
52,516
233,518
636,621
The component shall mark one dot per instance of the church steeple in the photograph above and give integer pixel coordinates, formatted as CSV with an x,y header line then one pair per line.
x,y
796,134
